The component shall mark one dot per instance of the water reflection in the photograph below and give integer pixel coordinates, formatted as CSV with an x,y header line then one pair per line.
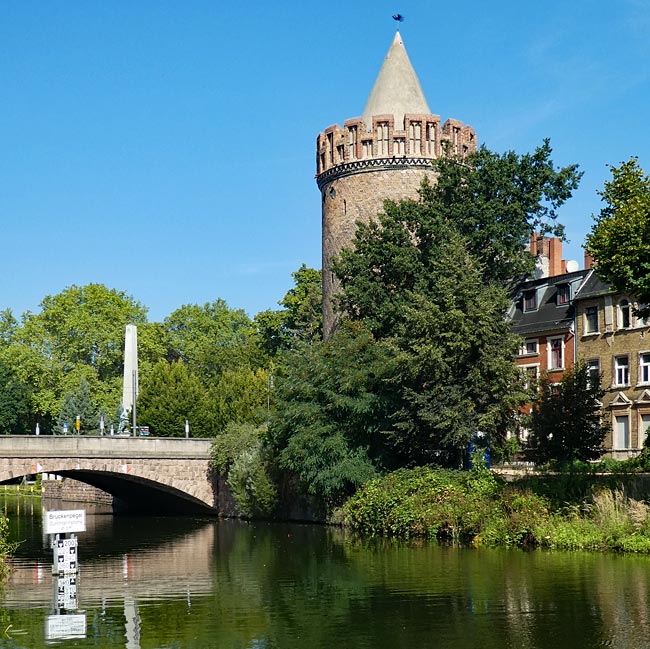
x,y
201,583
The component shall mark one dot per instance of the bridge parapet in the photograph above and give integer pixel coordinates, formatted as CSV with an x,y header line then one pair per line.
x,y
78,446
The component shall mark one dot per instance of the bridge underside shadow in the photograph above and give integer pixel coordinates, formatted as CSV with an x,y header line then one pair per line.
x,y
135,495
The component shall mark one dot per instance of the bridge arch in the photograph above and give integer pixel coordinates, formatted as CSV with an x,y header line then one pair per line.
x,y
156,475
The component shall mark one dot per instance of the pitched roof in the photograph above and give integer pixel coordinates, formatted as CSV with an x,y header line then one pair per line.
x,y
397,89
549,315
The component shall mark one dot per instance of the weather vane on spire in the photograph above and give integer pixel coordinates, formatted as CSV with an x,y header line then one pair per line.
x,y
398,17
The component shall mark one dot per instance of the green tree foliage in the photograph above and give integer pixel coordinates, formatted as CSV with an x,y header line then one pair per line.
x,y
8,327
241,396
454,353
412,281
620,237
496,201
238,453
301,317
14,403
170,395
211,338
77,333
566,421
79,403
328,429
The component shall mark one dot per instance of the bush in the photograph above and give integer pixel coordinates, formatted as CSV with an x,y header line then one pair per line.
x,y
238,454
475,507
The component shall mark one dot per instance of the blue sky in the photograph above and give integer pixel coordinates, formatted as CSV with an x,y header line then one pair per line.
x,y
166,149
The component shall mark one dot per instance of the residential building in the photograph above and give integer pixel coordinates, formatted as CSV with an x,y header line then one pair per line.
x,y
615,345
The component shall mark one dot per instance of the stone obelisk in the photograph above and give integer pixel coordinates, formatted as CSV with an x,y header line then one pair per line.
x,y
130,385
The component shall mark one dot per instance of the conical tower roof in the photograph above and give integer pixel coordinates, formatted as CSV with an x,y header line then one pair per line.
x,y
397,89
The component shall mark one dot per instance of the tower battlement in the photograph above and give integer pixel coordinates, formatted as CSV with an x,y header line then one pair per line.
x,y
420,136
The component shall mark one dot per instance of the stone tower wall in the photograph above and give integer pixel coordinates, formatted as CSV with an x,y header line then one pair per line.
x,y
357,169
357,197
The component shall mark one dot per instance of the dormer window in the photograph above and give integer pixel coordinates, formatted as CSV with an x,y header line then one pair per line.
x,y
530,300
563,294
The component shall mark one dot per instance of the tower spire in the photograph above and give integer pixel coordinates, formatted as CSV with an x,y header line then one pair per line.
x,y
397,89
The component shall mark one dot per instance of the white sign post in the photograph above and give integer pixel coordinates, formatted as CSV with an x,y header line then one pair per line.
x,y
64,521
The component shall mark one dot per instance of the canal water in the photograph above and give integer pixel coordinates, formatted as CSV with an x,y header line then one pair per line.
x,y
175,583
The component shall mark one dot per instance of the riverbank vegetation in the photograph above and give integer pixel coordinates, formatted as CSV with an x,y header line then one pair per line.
x,y
476,507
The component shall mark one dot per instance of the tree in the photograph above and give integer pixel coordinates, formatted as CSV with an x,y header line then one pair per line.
x,y
240,396
620,237
496,201
170,395
239,454
413,282
301,318
211,338
14,407
331,413
77,333
454,354
565,422
79,404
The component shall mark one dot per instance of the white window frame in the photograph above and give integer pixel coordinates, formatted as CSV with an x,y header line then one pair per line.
x,y
644,364
621,371
526,376
523,350
593,364
550,347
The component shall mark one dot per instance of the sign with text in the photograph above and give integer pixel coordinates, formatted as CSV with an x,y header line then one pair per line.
x,y
63,521
62,627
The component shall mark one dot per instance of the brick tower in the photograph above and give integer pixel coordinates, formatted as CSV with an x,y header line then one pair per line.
x,y
383,154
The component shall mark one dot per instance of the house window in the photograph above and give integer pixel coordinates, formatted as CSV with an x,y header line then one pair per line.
x,y
643,430
531,374
593,371
563,294
531,346
622,431
591,320
621,371
556,354
644,367
624,316
530,300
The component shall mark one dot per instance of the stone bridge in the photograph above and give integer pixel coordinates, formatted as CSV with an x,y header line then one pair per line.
x,y
148,475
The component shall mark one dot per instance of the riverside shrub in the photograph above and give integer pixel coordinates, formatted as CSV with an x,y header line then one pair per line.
x,y
471,506
477,508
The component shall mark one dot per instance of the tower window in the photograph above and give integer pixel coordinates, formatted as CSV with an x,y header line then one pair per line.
x,y
352,142
382,139
415,138
431,139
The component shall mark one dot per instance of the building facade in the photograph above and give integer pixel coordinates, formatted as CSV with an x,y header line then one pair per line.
x,y
384,154
615,345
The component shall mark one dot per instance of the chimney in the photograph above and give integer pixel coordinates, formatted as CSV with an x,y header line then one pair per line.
x,y
589,260
554,257
548,251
